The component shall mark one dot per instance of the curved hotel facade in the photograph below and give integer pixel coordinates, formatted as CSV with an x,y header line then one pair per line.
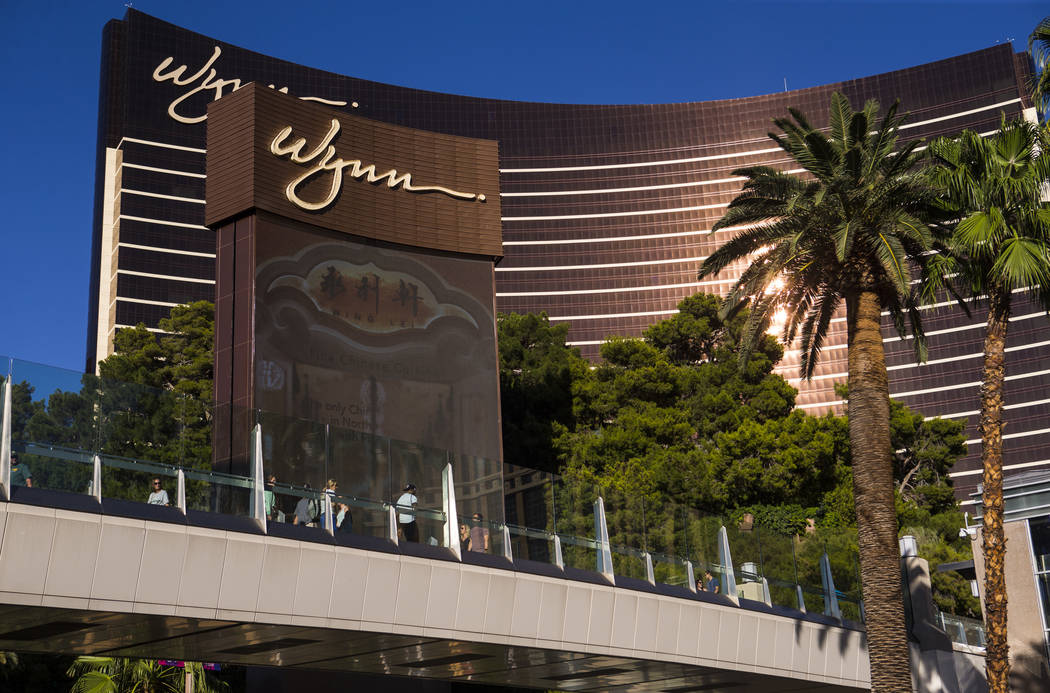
x,y
606,210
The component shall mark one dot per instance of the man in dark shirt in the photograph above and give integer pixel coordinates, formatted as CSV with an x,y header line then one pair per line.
x,y
20,474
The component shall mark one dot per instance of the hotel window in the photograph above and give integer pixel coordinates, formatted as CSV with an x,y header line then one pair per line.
x,y
1039,533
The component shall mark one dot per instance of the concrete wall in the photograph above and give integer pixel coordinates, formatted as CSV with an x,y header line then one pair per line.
x,y
1024,626
87,561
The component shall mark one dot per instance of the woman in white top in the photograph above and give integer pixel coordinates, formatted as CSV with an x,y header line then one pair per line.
x,y
158,496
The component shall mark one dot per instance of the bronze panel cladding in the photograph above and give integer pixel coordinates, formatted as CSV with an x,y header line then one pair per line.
x,y
450,203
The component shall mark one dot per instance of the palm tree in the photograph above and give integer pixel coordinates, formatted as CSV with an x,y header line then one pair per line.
x,y
1000,246
1039,47
118,675
844,234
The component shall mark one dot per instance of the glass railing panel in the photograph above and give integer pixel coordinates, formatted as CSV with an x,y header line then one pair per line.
x,y
579,552
962,630
778,566
692,535
197,420
746,550
574,521
360,465
813,596
134,480
625,518
53,406
216,492
671,570
352,515
419,467
531,544
291,504
139,422
431,524
479,488
841,547
808,550
629,561
51,467
528,498
295,451
479,535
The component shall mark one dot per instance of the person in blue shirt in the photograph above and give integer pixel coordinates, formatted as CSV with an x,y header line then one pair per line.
x,y
713,585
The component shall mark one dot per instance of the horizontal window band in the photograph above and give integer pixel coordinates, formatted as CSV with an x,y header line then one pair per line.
x,y
948,330
153,143
128,191
155,330
156,249
1012,436
558,268
617,290
641,164
169,171
571,318
639,188
962,386
147,302
755,152
1022,465
606,215
613,239
177,224
977,412
166,276
932,362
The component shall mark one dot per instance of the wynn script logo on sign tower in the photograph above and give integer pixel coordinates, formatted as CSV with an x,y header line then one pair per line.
x,y
324,159
207,79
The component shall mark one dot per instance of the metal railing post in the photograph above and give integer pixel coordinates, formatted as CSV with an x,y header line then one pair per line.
x,y
601,535
180,491
258,498
690,576
448,499
831,599
725,557
508,551
96,478
326,513
5,440
391,524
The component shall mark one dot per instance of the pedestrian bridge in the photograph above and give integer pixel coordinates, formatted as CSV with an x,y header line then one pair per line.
x,y
88,567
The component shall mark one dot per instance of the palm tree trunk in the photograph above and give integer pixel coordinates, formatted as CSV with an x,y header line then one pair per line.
x,y
997,660
869,433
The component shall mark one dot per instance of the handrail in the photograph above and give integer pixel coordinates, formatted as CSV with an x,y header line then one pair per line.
x,y
679,571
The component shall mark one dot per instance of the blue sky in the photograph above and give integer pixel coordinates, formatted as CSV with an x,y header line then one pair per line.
x,y
573,52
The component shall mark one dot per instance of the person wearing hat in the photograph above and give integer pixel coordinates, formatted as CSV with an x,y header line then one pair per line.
x,y
20,474
406,521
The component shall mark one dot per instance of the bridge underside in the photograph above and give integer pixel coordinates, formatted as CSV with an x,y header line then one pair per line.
x,y
75,631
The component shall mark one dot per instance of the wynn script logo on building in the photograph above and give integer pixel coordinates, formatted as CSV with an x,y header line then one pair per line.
x,y
207,80
322,160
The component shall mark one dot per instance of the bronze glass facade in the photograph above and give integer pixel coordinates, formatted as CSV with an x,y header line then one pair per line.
x,y
606,210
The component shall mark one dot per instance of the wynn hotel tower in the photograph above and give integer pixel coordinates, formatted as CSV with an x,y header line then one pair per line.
x,y
607,210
